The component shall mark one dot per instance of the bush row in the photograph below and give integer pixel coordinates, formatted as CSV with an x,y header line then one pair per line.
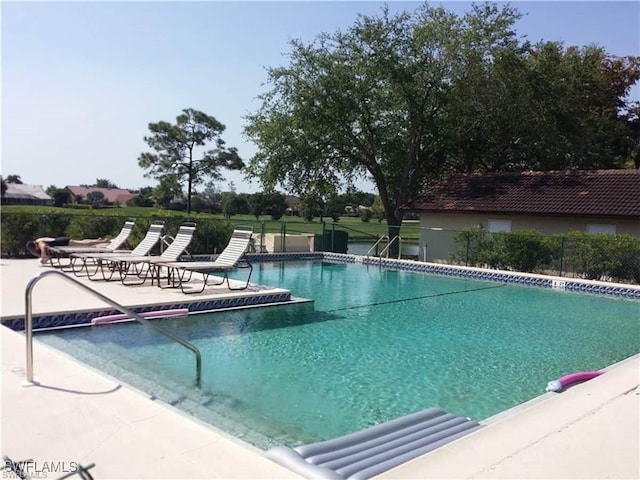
x,y
594,257
16,229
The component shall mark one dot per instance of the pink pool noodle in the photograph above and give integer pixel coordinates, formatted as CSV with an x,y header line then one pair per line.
x,y
562,382
176,312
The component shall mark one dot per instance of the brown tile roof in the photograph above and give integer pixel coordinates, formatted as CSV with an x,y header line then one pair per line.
x,y
582,193
112,195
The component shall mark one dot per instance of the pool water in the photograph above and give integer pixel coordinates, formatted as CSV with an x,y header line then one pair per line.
x,y
376,344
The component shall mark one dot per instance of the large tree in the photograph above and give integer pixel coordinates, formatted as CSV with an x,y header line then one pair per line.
x,y
96,198
105,183
175,150
407,99
60,195
168,189
542,107
368,102
15,179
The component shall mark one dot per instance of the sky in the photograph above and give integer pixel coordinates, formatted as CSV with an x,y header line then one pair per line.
x,y
82,80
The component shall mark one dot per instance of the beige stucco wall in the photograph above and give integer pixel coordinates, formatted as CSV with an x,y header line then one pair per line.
x,y
292,243
438,229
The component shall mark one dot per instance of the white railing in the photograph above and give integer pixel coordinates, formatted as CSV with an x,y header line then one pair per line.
x,y
386,249
375,245
28,325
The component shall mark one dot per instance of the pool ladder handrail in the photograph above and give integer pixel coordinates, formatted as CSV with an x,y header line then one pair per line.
x,y
387,247
125,310
375,245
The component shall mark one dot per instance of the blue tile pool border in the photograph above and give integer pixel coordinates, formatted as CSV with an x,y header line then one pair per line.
x,y
69,319
528,279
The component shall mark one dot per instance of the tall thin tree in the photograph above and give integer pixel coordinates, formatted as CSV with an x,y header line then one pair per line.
x,y
175,150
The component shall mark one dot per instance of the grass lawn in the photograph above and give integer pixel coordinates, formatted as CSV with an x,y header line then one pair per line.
x,y
295,225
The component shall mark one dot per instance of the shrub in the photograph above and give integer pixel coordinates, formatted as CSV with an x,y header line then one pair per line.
x,y
602,256
16,229
97,199
594,257
78,206
177,205
93,226
365,215
211,236
197,204
471,247
141,201
20,227
308,214
522,250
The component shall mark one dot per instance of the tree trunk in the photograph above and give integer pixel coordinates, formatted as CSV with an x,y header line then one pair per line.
x,y
394,222
189,181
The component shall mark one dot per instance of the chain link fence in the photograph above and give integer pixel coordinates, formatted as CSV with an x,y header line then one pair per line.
x,y
577,254
605,257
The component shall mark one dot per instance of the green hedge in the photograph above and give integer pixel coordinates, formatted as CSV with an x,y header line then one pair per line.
x,y
16,229
602,256
595,257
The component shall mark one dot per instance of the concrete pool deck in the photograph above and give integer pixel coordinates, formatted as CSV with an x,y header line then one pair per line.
x,y
77,414
53,294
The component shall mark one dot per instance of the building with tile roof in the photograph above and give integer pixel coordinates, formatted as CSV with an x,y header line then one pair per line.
x,y
593,201
20,193
117,196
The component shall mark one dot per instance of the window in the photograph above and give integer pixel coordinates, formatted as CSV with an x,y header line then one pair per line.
x,y
496,226
594,228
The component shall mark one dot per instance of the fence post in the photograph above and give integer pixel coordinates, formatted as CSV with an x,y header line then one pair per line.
x,y
466,260
333,236
283,233
324,229
561,256
262,234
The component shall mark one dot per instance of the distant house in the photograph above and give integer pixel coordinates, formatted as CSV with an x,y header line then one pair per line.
x,y
116,196
19,193
351,210
596,201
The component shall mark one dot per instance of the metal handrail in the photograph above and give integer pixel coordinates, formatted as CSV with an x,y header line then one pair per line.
x,y
125,310
375,245
386,249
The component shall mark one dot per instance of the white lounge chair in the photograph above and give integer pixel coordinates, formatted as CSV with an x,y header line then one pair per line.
x,y
148,266
231,258
57,253
98,261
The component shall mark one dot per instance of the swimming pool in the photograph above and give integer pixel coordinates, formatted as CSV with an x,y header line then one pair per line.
x,y
377,344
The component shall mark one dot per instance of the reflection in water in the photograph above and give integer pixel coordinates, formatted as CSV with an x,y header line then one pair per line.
x,y
408,249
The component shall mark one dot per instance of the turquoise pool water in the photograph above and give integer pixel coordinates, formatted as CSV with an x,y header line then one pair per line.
x,y
376,344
